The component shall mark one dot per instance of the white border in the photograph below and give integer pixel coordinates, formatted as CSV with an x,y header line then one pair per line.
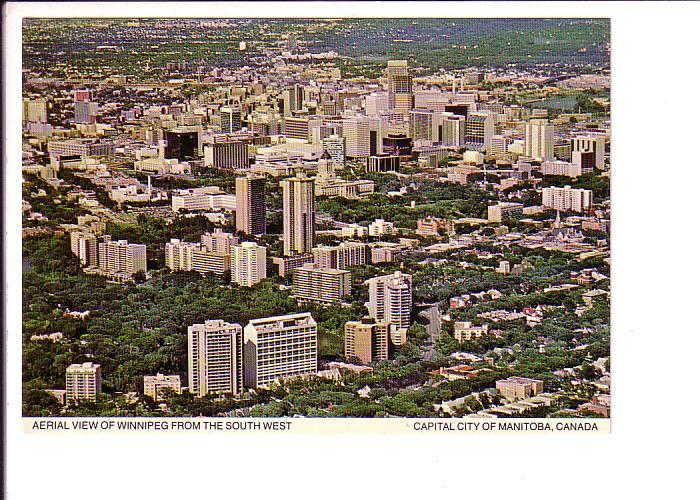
x,y
655,336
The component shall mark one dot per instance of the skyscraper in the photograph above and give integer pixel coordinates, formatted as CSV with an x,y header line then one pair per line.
x,y
357,137
335,147
539,139
278,347
400,86
230,120
250,205
215,358
391,301
299,214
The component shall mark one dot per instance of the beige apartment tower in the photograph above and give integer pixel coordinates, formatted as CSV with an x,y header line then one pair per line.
x,y
215,358
299,214
83,382
367,340
391,301
248,263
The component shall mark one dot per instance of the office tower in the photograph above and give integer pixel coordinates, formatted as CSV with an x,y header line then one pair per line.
x,y
85,112
383,163
218,241
230,120
248,263
83,382
335,147
420,125
121,257
539,139
85,247
505,211
298,214
215,358
232,154
400,86
296,97
35,110
376,103
498,145
367,340
479,129
342,256
391,301
250,205
298,127
397,144
357,137
278,347
590,142
156,386
325,286
585,160
566,198
178,254
181,144
450,129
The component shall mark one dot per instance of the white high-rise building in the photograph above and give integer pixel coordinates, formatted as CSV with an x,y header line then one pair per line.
x,y
357,137
85,246
215,358
298,214
178,254
391,301
567,198
122,257
450,129
539,139
591,142
248,263
219,241
278,347
83,381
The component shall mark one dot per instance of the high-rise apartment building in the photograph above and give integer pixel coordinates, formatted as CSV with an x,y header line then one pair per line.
x,y
219,241
567,198
178,254
35,110
367,340
278,347
400,86
121,257
250,205
539,139
85,246
298,214
325,286
248,263
215,358
391,301
342,256
83,381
